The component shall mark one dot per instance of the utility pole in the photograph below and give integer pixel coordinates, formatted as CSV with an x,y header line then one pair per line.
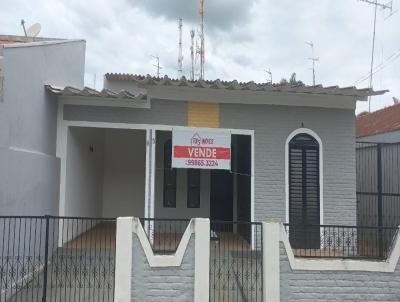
x,y
157,65
268,71
180,56
313,59
376,4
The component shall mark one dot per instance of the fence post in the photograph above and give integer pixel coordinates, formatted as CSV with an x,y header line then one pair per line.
x,y
46,258
380,205
271,261
201,259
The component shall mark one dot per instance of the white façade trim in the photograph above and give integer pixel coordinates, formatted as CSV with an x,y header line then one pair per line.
x,y
321,171
387,266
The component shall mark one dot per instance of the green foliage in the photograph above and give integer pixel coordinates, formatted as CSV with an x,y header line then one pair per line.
x,y
292,81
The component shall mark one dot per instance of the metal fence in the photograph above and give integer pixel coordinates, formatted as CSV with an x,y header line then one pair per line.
x,y
378,184
48,258
236,268
164,235
338,241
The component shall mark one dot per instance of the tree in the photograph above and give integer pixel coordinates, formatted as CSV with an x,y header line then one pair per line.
x,y
292,81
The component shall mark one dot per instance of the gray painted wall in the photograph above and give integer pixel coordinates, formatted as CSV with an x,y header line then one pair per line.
x,y
162,284
330,286
124,173
29,170
272,125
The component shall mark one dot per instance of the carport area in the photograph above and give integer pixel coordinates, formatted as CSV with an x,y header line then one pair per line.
x,y
105,172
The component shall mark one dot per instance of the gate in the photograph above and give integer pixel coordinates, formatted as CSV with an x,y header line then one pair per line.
x,y
236,268
49,258
378,188
378,184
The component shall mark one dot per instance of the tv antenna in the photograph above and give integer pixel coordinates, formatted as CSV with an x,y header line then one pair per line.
x,y
313,59
269,72
382,6
158,67
180,56
31,31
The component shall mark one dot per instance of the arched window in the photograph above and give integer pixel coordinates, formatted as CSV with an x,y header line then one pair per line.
x,y
304,191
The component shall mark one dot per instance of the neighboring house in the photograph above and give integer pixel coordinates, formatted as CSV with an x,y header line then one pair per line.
x,y
29,168
381,126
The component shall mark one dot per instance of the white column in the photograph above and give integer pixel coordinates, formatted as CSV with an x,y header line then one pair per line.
x,y
202,259
123,260
271,269
150,173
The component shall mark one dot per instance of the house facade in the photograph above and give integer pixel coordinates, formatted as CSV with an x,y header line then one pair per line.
x,y
266,118
168,189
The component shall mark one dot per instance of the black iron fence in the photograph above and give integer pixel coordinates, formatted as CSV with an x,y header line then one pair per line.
x,y
236,267
378,184
164,235
47,258
338,241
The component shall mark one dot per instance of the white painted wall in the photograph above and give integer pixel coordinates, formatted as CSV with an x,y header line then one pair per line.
x,y
124,172
84,179
181,210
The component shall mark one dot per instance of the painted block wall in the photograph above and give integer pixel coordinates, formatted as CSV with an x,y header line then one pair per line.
x,y
272,125
29,169
162,284
337,286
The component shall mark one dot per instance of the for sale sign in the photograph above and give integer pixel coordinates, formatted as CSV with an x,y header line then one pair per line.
x,y
201,149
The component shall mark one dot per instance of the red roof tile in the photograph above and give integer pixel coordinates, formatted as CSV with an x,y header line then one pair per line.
x,y
380,121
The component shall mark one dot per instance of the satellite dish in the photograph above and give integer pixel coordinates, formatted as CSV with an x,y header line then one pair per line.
x,y
33,30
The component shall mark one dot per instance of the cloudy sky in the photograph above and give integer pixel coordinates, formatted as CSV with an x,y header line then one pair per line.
x,y
243,38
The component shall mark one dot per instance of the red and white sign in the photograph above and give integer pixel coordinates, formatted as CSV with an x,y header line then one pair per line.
x,y
201,149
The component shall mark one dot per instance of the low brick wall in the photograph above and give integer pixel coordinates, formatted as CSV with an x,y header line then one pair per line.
x,y
336,286
155,284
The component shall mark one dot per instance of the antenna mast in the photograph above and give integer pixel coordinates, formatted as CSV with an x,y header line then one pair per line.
x,y
269,72
157,65
383,7
180,56
192,54
313,59
202,49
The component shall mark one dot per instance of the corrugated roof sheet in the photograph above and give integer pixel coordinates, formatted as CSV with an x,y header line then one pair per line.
x,y
252,86
380,121
89,92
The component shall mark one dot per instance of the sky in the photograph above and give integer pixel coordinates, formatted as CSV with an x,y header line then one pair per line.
x,y
243,38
